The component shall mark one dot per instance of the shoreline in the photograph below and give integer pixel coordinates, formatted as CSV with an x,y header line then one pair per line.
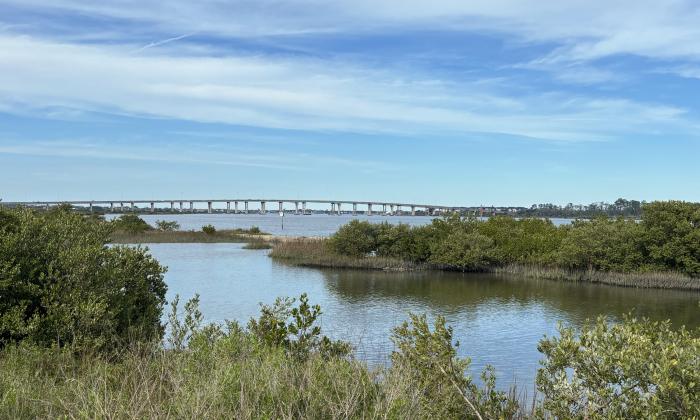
x,y
312,253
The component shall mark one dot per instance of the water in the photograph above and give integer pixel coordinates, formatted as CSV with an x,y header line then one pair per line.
x,y
294,225
498,320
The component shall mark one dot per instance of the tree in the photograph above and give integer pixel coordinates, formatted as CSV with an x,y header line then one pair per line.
x,y
60,283
672,235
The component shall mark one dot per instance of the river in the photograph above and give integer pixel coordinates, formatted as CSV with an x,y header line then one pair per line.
x,y
497,320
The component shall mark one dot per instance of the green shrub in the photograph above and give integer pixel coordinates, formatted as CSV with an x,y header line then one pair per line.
x,y
356,239
254,230
464,251
294,329
131,223
428,362
60,284
167,226
603,244
631,370
209,229
672,235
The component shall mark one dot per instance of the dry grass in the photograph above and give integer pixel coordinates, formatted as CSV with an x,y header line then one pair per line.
x,y
158,237
657,280
313,252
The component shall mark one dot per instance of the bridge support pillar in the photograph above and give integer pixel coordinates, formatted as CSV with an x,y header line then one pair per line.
x,y
384,209
369,209
303,207
246,207
191,207
338,209
180,206
209,207
262,208
111,207
172,207
228,207
281,207
91,207
332,208
235,206
153,207
296,207
354,209
413,210
132,206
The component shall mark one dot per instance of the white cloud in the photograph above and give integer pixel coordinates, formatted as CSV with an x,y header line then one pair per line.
x,y
586,29
294,93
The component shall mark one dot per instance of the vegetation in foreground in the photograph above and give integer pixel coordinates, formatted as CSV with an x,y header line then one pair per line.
x,y
81,331
662,250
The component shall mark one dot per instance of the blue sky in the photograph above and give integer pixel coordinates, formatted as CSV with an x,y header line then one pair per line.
x,y
449,102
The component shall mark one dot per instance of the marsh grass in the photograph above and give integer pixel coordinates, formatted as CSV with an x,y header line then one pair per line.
x,y
258,244
658,280
156,237
308,252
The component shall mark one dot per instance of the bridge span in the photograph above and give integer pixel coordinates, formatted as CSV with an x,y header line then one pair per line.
x,y
243,206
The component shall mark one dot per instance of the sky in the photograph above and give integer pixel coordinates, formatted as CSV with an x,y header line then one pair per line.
x,y
452,102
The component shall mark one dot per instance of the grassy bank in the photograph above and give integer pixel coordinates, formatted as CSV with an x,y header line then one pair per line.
x,y
182,236
318,253
306,252
652,280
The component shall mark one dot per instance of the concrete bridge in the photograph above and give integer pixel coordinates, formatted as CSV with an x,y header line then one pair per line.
x,y
244,206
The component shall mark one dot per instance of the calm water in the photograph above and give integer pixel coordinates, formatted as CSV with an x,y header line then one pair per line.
x,y
294,225
497,320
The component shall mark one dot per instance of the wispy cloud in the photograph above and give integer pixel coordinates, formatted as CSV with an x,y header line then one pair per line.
x,y
301,94
163,42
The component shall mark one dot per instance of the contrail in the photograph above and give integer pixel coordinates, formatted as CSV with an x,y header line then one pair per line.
x,y
165,41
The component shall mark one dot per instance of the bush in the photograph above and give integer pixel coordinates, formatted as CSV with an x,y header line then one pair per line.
x,y
603,244
209,229
672,235
428,362
464,251
254,230
355,239
167,226
635,369
294,329
131,223
60,284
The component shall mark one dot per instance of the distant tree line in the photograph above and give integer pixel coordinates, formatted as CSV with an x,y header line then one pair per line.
x,y
666,239
621,207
